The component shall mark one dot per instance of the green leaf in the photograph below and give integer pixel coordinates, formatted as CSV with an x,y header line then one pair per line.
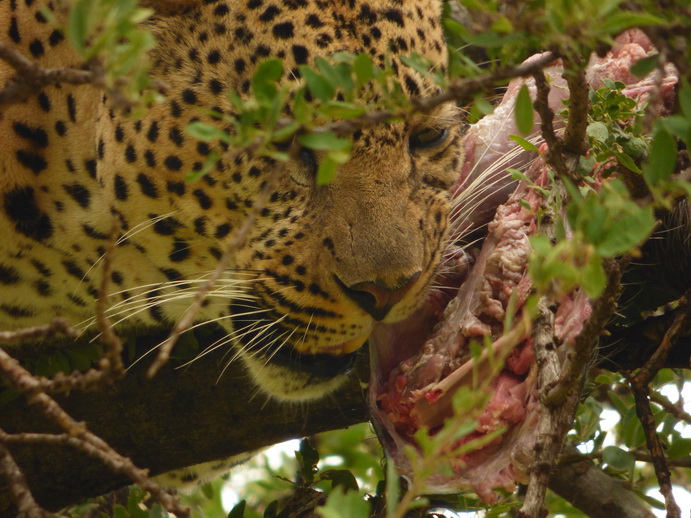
x,y
344,504
340,478
324,141
644,66
238,510
662,159
206,132
341,110
363,68
622,20
502,25
685,98
317,85
597,131
271,510
78,24
634,146
264,81
679,448
523,111
627,162
679,126
307,458
525,144
326,172
208,490
618,459
157,511
594,278
286,132
630,231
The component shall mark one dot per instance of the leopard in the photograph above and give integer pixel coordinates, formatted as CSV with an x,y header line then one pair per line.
x,y
319,266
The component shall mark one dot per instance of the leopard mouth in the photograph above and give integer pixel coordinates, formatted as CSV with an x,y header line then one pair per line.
x,y
420,364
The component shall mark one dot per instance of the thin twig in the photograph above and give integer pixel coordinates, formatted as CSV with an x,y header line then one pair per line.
x,y
31,78
669,407
640,386
16,482
56,327
659,461
111,363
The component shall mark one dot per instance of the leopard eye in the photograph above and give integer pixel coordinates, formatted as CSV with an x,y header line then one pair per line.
x,y
427,138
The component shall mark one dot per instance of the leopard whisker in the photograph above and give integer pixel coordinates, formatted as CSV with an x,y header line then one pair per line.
x,y
224,340
234,336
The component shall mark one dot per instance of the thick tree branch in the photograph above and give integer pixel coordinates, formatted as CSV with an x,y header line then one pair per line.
x,y
179,418
587,487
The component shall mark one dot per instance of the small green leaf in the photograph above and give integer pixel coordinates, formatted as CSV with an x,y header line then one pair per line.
x,y
266,76
643,67
206,132
317,85
622,20
523,111
363,68
238,510
627,162
597,131
525,144
339,156
630,231
634,146
325,141
341,477
326,172
502,25
662,159
344,504
594,278
679,448
78,24
618,459
208,490
685,98
307,458
271,510
341,110
157,511
286,132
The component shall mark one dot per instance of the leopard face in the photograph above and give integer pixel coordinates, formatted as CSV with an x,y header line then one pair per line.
x,y
318,266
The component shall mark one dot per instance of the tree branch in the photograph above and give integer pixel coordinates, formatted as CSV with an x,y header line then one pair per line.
x,y
181,417
587,487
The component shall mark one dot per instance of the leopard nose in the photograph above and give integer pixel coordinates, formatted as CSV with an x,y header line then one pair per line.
x,y
376,297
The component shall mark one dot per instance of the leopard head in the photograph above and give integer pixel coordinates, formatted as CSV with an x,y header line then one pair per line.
x,y
319,265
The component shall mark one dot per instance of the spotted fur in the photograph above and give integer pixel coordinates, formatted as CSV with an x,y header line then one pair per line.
x,y
320,265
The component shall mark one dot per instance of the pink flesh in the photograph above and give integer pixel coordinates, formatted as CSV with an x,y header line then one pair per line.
x,y
420,363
